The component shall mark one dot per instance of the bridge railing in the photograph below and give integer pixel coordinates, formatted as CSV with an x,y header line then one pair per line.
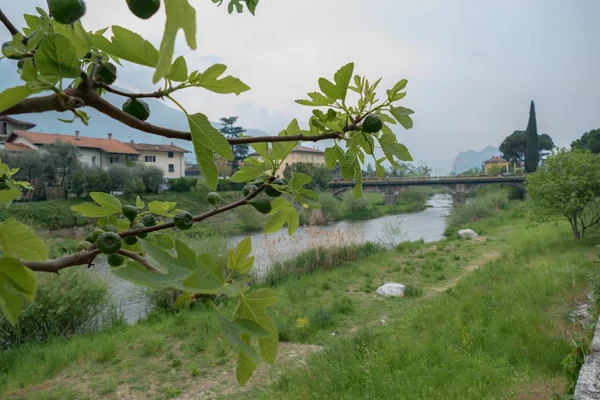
x,y
435,179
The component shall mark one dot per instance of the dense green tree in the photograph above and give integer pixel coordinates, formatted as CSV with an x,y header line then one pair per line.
x,y
152,177
321,174
532,148
240,151
588,141
118,175
61,159
514,146
567,185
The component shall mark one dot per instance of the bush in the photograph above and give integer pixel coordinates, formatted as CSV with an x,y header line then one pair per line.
x,y
65,304
225,185
119,175
355,208
182,184
330,206
416,194
134,187
478,208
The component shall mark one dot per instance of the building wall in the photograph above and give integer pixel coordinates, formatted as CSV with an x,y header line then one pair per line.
x,y
299,157
9,129
163,161
503,165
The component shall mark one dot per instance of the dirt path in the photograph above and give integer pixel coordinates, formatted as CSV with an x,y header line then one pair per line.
x,y
480,262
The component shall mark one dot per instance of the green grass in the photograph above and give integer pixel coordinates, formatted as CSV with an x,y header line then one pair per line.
x,y
497,333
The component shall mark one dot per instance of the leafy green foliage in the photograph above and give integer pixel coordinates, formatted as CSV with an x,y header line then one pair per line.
x,y
567,186
15,281
106,205
588,141
180,15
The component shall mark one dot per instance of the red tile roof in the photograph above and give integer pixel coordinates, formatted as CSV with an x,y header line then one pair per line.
x,y
306,149
16,147
495,160
141,147
107,145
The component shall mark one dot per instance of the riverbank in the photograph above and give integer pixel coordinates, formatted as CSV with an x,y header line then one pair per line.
x,y
484,319
55,219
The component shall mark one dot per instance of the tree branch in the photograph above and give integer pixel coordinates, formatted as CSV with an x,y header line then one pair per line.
x,y
86,95
158,94
8,24
86,257
53,102
138,258
82,258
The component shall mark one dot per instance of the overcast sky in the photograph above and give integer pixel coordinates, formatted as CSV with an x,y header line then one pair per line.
x,y
473,66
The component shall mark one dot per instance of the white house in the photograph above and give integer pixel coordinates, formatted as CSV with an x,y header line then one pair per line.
x,y
95,152
169,158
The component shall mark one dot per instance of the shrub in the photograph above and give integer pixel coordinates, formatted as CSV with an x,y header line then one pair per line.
x,y
416,194
119,175
134,187
182,184
65,304
478,208
330,206
355,208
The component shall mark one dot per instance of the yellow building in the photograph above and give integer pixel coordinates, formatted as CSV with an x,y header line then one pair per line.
x,y
300,154
496,165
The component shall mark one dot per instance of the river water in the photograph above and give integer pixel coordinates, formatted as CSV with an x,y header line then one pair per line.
x,y
428,225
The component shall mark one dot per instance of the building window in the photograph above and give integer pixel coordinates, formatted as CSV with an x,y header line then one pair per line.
x,y
171,168
113,160
170,154
4,128
150,158
93,161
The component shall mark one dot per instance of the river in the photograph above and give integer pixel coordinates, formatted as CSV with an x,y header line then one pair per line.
x,y
428,225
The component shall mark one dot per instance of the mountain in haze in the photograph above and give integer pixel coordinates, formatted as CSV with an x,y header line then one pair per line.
x,y
465,160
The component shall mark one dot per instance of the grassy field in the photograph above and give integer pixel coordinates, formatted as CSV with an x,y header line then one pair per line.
x,y
484,319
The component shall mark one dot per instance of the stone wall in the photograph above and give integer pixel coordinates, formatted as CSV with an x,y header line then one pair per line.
x,y
588,383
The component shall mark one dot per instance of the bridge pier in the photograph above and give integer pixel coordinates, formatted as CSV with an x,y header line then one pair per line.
x,y
390,199
459,197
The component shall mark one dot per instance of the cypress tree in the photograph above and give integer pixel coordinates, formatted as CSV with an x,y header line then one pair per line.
x,y
532,152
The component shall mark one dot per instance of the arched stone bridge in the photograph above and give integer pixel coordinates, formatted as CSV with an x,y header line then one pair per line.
x,y
458,186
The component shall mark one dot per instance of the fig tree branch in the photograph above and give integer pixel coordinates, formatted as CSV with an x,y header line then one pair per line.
x,y
157,94
85,257
8,24
90,98
138,258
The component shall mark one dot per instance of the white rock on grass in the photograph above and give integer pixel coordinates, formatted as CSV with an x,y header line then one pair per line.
x,y
467,234
391,290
